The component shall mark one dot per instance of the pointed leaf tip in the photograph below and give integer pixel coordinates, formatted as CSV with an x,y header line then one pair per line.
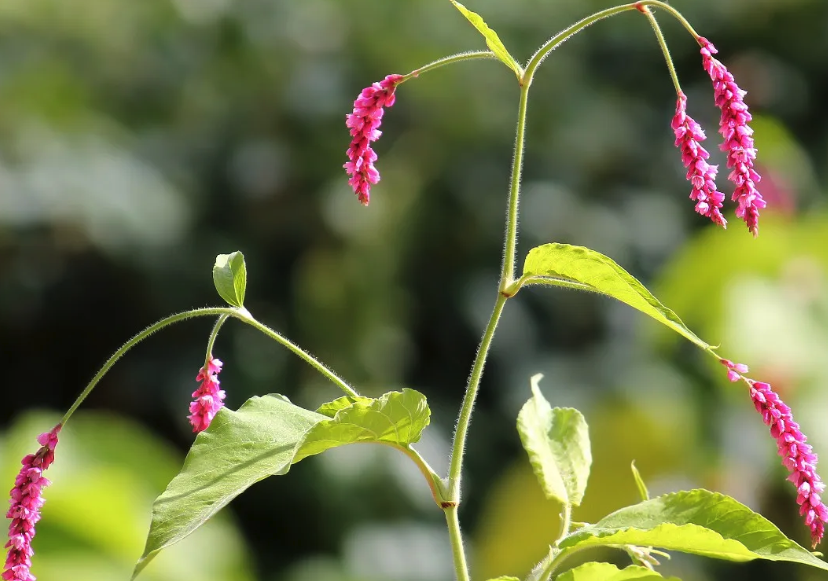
x,y
639,482
580,268
492,40
699,522
230,277
557,442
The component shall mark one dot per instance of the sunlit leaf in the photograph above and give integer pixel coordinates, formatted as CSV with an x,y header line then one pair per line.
x,y
584,269
557,441
607,572
330,408
492,40
698,522
264,438
396,418
230,277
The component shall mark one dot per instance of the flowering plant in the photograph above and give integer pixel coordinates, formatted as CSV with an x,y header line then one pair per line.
x,y
268,434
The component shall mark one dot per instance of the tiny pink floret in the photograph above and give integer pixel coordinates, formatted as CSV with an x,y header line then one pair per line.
x,y
797,455
701,175
364,125
209,398
738,137
26,501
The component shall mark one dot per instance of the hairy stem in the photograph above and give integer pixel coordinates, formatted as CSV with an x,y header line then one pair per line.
x,y
565,34
208,312
664,49
223,313
456,538
246,317
455,58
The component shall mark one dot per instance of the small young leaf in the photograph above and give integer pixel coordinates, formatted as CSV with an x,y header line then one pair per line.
x,y
639,482
557,441
230,277
492,40
584,269
698,522
607,572
265,437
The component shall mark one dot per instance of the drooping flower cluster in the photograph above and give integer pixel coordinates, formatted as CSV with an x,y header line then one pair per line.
x,y
26,501
209,398
738,137
797,455
694,157
364,124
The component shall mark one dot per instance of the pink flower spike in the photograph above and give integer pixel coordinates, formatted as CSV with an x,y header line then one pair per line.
x,y
797,456
738,140
26,501
364,124
701,175
209,399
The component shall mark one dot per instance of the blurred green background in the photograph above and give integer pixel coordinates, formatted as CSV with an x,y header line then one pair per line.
x,y
138,139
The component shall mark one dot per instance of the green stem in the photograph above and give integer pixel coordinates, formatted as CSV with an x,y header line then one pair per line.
x,y
212,340
566,522
223,313
245,316
565,34
432,479
208,312
455,58
463,420
507,273
456,538
664,49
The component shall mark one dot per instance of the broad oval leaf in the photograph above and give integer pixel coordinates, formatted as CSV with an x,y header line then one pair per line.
x,y
237,450
607,572
698,522
492,40
264,438
557,441
584,269
230,277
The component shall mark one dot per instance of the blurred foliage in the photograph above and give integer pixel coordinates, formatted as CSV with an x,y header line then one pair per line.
x,y
140,139
109,474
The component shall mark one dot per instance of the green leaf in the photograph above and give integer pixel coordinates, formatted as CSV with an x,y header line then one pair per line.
x,y
505,578
230,277
557,441
396,418
639,482
698,522
264,438
607,572
492,40
330,408
584,269
237,450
